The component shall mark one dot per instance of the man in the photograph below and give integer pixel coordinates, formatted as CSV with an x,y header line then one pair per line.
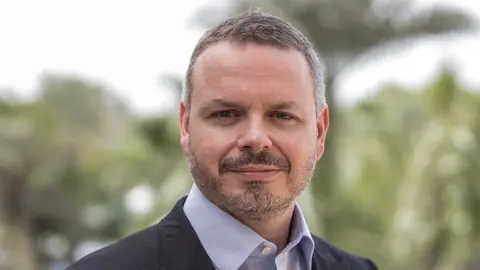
x,y
253,122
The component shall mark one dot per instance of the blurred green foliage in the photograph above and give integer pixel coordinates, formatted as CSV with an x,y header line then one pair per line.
x,y
399,182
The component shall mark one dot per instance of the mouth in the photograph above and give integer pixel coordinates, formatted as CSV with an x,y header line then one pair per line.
x,y
256,173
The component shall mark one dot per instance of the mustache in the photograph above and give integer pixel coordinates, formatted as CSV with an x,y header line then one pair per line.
x,y
259,158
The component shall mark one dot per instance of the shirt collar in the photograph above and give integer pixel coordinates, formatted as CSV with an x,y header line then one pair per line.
x,y
217,230
301,235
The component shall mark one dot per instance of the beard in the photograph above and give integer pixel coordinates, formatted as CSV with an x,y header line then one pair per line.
x,y
256,202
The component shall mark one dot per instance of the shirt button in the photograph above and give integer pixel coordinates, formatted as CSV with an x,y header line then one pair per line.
x,y
266,251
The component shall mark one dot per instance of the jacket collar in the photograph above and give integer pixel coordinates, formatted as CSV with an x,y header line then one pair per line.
x,y
325,258
181,249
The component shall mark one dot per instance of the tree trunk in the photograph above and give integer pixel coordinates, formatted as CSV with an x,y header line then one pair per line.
x,y
15,239
18,247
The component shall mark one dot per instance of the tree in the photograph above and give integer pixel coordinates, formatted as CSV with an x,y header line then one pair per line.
x,y
66,156
410,173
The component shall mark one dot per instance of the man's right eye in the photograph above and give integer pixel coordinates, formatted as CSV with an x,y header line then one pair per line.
x,y
224,114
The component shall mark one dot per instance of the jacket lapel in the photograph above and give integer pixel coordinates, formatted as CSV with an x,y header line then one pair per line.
x,y
324,259
181,246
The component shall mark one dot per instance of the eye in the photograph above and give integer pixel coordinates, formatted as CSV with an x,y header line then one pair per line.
x,y
283,116
225,114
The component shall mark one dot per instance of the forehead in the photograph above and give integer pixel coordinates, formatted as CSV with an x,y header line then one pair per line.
x,y
232,70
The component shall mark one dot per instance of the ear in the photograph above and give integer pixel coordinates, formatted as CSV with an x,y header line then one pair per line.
x,y
322,127
184,128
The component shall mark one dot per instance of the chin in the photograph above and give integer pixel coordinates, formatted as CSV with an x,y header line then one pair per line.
x,y
234,191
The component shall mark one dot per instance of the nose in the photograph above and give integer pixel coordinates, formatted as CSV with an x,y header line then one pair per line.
x,y
254,137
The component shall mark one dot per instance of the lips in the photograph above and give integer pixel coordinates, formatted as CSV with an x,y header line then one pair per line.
x,y
256,173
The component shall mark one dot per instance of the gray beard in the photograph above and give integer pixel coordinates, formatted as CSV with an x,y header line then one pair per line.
x,y
256,202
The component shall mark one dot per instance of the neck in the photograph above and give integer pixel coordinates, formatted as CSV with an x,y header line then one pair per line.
x,y
276,229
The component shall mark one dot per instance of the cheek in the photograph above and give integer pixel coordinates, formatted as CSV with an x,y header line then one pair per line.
x,y
298,149
209,146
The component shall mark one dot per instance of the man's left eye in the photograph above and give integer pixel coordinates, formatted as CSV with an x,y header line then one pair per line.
x,y
283,116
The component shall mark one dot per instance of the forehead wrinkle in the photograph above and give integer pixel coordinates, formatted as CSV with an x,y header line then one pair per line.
x,y
241,85
241,79
216,75
233,80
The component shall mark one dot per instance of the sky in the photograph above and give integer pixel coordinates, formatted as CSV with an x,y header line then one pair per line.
x,y
128,45
415,64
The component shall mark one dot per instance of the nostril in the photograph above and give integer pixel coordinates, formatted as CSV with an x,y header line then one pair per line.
x,y
255,147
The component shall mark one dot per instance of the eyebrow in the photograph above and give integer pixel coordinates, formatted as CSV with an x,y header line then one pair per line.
x,y
218,102
284,105
222,102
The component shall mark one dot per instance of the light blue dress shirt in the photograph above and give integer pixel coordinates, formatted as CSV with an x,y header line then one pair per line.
x,y
232,245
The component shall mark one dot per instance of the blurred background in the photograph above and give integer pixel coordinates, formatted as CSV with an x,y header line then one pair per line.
x,y
89,152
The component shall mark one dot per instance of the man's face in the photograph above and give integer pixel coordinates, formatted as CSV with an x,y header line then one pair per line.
x,y
251,133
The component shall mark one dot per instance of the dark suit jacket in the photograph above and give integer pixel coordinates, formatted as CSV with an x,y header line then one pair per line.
x,y
172,244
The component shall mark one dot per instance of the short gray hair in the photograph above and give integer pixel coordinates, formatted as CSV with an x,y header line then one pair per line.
x,y
265,29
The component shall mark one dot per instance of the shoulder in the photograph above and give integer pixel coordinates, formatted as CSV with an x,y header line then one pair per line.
x,y
342,256
137,251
